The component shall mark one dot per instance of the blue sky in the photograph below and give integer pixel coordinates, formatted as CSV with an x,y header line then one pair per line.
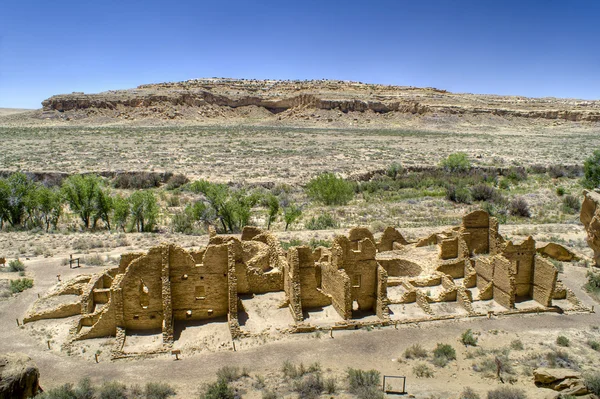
x,y
533,48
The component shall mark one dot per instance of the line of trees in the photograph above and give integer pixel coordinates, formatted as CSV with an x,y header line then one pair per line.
x,y
25,203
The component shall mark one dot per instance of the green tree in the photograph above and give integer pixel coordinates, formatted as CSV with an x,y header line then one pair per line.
x,y
81,193
272,203
591,171
144,210
330,189
50,206
121,211
16,198
103,206
291,213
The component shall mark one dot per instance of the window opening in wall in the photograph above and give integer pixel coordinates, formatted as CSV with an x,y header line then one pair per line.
x,y
200,292
144,295
136,317
356,281
518,263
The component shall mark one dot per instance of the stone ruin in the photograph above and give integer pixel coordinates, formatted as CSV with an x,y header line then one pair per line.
x,y
467,271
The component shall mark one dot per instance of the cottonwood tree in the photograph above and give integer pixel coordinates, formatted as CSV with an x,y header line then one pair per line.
x,y
144,210
81,193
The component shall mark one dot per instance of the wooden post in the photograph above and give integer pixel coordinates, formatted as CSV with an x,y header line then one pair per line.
x,y
176,352
70,261
48,342
58,277
331,332
96,356
396,325
18,325
233,343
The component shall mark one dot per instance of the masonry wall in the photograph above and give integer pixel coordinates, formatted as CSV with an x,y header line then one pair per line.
x,y
336,284
504,282
544,281
199,291
291,283
475,230
310,283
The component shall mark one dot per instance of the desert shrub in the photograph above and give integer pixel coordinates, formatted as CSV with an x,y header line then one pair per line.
x,y
229,373
593,283
310,386
560,191
504,184
506,393
460,195
560,358
315,243
468,339
563,341
457,162
268,394
592,382
516,174
469,393
294,242
483,192
415,351
591,171
394,170
536,169
176,181
20,285
556,171
330,189
519,207
16,265
137,180
442,354
595,345
422,370
93,260
218,390
290,370
517,345
182,222
330,385
112,390
62,392
364,384
571,204
322,222
144,210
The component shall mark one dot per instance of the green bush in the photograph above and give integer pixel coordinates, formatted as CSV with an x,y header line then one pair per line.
x,y
176,181
112,390
310,386
484,192
16,265
592,382
394,170
144,210
20,285
457,162
560,191
469,393
330,189
506,393
422,370
291,213
218,390
556,171
158,390
81,193
364,384
461,195
322,222
517,345
229,373
137,180
591,171
563,341
595,345
442,354
571,204
593,283
468,339
415,351
516,174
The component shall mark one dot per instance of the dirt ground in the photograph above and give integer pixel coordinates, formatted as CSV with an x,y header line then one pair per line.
x,y
206,347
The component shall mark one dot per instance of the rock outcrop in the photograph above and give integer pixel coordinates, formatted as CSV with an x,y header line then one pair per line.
x,y
557,252
567,382
214,96
590,217
19,376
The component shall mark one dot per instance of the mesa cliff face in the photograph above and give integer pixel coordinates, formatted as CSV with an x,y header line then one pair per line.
x,y
216,97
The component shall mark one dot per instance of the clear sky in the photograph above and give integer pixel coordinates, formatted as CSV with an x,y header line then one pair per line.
x,y
533,48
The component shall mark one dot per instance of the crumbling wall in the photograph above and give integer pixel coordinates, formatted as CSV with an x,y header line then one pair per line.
x,y
336,284
475,231
522,258
291,284
381,307
504,282
449,248
590,217
390,238
400,267
544,281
